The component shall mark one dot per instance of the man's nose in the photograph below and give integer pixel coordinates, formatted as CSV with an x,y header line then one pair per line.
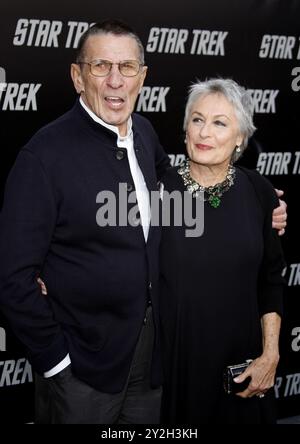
x,y
115,78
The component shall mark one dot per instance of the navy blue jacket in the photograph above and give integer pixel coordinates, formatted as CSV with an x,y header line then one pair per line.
x,y
99,279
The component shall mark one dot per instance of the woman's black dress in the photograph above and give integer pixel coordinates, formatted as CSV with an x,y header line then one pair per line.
x,y
214,289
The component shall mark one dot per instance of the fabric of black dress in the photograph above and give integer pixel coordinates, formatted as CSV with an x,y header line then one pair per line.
x,y
214,289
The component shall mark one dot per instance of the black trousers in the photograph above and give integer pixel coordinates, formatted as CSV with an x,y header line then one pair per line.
x,y
64,399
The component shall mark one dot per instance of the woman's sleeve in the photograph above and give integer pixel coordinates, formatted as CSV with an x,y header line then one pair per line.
x,y
271,283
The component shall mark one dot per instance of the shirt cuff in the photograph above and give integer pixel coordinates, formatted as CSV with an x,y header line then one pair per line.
x,y
59,367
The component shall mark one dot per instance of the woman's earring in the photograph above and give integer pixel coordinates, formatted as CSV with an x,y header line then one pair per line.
x,y
185,139
238,149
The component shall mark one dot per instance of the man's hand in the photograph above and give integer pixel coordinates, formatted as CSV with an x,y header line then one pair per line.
x,y
280,215
42,286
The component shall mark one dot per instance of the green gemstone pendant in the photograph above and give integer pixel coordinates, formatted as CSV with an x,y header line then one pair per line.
x,y
214,201
211,194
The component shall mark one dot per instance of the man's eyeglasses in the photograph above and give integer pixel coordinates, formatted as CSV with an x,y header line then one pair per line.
x,y
101,68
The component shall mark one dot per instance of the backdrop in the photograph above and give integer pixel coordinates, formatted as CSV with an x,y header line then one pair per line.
x,y
256,42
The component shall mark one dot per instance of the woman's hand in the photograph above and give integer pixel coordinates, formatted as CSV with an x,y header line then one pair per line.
x,y
262,373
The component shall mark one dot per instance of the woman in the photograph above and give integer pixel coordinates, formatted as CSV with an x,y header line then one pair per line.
x,y
221,293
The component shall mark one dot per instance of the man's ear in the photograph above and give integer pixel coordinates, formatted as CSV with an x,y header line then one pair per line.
x,y
77,78
143,76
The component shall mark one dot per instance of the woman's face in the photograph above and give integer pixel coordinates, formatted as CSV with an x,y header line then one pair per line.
x,y
212,131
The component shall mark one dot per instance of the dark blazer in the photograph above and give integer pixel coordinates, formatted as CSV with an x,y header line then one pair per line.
x,y
99,279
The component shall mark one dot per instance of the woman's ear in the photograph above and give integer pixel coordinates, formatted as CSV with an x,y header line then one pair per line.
x,y
239,140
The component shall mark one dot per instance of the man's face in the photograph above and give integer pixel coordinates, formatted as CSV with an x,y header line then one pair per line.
x,y
112,98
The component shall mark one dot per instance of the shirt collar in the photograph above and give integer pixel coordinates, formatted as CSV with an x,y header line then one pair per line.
x,y
107,125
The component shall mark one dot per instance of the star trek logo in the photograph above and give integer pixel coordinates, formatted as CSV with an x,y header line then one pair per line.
x,y
279,47
292,275
2,339
15,372
183,41
280,163
48,33
17,96
152,99
288,385
264,100
2,79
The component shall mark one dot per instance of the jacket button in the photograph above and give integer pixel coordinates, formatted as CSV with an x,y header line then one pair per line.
x,y
150,285
129,187
120,154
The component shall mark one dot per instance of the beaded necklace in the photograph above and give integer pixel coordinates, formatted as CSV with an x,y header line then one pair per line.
x,y
211,194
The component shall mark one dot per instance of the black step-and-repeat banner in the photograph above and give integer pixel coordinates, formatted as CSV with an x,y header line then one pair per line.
x,y
256,42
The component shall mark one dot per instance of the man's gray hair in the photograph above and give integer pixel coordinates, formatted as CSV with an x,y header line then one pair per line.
x,y
237,95
115,27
